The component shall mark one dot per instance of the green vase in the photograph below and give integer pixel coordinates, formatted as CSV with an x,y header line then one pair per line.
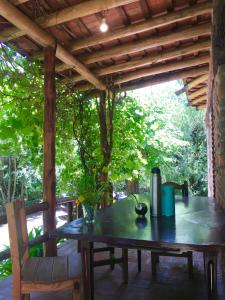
x,y
89,213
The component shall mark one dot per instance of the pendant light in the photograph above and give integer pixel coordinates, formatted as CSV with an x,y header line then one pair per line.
x,y
104,27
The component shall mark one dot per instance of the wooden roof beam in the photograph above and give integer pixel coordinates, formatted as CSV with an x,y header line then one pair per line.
x,y
155,22
18,2
198,100
173,66
67,14
147,43
15,16
201,106
197,81
166,78
197,93
153,81
189,72
152,58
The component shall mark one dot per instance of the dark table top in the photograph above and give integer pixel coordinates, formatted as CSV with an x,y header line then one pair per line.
x,y
199,224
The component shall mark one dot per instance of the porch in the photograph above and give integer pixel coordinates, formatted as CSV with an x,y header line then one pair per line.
x,y
172,280
181,50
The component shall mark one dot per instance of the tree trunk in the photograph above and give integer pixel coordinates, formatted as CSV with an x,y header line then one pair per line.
x,y
106,112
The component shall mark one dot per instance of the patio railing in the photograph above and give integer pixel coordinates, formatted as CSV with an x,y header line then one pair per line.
x,y
40,207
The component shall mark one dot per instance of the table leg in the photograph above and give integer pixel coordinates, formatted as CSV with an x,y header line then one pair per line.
x,y
210,263
125,264
87,268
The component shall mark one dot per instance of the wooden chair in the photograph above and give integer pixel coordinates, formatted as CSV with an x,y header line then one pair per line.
x,y
112,259
37,274
155,254
183,187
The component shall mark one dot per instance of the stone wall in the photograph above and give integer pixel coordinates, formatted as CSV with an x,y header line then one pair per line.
x,y
218,92
219,135
210,150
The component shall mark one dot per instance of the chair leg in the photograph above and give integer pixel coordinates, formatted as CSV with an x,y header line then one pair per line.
x,y
76,291
111,255
125,264
190,265
78,246
154,260
139,260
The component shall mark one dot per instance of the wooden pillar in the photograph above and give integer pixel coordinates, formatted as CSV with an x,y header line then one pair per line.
x,y
49,181
218,51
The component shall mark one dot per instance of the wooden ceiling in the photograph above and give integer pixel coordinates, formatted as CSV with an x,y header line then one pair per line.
x,y
149,41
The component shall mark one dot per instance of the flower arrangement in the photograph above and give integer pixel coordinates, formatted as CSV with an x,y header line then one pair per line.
x,y
89,194
79,200
88,191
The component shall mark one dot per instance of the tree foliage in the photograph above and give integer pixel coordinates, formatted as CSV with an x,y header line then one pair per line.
x,y
152,128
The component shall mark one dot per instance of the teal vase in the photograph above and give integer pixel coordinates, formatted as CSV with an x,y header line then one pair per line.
x,y
168,200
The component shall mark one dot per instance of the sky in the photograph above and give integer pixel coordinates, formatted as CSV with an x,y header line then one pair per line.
x,y
143,93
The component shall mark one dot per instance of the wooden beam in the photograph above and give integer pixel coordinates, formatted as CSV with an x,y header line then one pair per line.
x,y
49,181
190,12
198,100
202,106
13,15
147,43
18,2
144,61
67,14
197,93
190,72
166,78
197,81
172,66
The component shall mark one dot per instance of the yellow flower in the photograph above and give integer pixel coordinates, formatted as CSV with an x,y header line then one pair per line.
x,y
79,200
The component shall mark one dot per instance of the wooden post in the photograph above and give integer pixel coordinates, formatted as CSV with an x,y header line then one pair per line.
x,y
49,184
218,51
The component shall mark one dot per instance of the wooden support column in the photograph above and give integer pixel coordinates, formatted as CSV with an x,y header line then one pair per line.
x,y
218,51
49,181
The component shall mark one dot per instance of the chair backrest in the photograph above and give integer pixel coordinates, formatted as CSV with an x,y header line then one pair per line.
x,y
183,187
18,236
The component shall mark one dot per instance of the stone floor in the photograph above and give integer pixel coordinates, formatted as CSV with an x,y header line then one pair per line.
x,y
172,282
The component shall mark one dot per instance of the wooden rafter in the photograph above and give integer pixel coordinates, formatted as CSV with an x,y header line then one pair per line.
x,y
189,72
18,2
67,14
153,58
173,66
20,20
198,100
197,93
201,106
167,77
147,43
197,81
153,23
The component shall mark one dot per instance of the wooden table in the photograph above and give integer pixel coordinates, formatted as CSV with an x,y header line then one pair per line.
x,y
199,225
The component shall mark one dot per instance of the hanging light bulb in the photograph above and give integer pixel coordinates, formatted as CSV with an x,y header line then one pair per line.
x,y
104,26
